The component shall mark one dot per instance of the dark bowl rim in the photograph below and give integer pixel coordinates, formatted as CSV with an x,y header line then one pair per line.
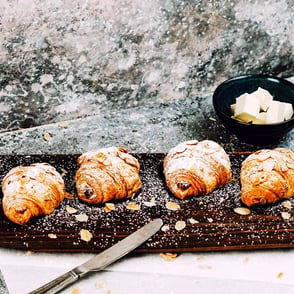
x,y
248,76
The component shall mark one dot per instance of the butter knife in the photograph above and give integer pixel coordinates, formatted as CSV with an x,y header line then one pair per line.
x,y
103,259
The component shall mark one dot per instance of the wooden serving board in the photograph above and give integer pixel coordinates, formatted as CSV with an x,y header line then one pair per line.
x,y
211,223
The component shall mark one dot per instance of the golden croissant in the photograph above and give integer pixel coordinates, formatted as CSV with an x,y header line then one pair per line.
x,y
107,174
267,176
196,168
30,191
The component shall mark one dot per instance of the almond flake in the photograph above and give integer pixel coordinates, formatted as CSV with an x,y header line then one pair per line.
x,y
280,275
165,228
287,204
285,215
242,210
180,225
63,172
169,256
75,291
150,203
193,221
100,284
85,235
47,137
63,124
109,207
52,236
133,206
81,217
210,220
172,205
70,209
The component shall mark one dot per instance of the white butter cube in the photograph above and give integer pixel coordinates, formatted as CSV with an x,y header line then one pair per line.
x,y
275,112
264,98
247,108
261,119
287,110
233,107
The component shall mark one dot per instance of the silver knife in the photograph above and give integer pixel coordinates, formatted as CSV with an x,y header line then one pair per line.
x,y
103,259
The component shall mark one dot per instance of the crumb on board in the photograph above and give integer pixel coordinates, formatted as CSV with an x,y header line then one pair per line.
x,y
100,284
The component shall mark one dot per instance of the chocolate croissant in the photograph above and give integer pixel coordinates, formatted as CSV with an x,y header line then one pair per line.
x,y
30,191
267,176
196,168
107,174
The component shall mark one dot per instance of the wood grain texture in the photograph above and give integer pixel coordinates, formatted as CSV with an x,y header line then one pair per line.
x,y
211,223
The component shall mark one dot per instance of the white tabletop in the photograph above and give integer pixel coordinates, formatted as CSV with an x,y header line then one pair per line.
x,y
265,271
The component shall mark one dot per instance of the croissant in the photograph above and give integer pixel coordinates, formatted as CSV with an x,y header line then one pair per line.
x,y
196,168
267,176
30,191
107,174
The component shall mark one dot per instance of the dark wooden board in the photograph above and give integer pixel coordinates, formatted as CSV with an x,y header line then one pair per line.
x,y
217,227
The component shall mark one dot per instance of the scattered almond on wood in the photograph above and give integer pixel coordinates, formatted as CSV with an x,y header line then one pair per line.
x,y
70,209
85,235
109,207
133,206
52,236
180,225
81,217
172,205
242,210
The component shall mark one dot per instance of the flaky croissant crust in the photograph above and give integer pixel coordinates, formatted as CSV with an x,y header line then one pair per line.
x,y
30,191
267,176
192,168
107,174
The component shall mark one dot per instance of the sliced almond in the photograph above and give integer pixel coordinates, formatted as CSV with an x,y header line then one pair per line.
x,y
81,217
52,236
285,215
47,137
287,204
133,206
193,221
171,205
85,235
242,210
180,225
109,207
169,256
150,203
63,124
165,228
70,209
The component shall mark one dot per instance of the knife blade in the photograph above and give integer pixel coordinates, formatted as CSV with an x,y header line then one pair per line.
x,y
103,259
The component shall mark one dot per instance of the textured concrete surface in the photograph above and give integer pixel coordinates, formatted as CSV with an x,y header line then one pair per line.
x,y
68,59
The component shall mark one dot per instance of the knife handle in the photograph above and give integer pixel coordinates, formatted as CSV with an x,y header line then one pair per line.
x,y
57,284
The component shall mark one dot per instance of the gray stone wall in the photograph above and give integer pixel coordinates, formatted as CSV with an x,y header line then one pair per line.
x,y
66,59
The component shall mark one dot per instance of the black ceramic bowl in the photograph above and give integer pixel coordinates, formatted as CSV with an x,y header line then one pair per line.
x,y
226,94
